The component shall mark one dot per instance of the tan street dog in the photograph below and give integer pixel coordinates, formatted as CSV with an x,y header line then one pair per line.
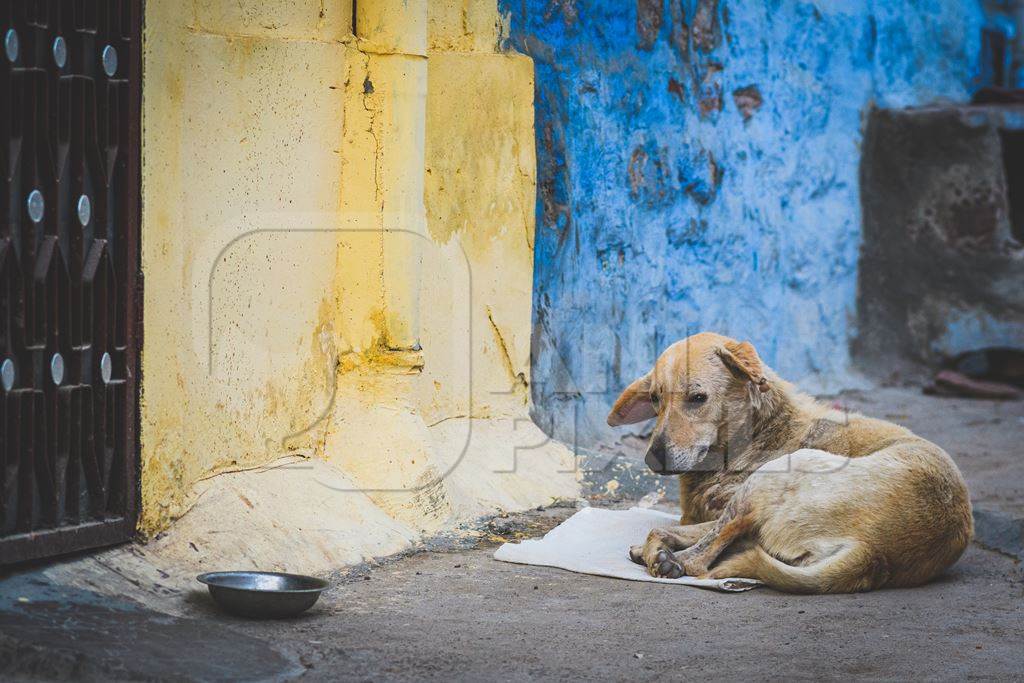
x,y
777,487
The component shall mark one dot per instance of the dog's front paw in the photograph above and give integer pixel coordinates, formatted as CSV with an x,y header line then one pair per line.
x,y
665,566
691,563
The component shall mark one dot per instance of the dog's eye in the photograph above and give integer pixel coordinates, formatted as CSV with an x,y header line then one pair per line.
x,y
697,399
654,399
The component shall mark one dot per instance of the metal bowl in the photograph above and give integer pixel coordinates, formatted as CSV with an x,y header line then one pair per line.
x,y
263,595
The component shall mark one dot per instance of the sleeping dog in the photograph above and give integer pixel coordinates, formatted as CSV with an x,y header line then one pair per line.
x,y
777,487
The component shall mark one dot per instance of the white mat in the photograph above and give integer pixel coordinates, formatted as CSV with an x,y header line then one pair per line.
x,y
596,541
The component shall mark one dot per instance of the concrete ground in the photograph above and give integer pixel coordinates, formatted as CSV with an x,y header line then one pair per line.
x,y
456,614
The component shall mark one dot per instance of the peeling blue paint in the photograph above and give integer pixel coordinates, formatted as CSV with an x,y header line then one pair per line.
x,y
697,170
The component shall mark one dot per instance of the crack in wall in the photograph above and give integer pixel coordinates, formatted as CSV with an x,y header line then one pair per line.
x,y
520,385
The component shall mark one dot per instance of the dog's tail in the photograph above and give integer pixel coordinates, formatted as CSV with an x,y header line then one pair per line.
x,y
850,569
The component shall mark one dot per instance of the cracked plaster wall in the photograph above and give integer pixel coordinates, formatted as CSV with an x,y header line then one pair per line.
x,y
338,255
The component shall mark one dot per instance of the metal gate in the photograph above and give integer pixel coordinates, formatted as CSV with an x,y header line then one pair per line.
x,y
70,324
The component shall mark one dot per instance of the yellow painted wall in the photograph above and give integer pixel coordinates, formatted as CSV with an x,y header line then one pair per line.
x,y
242,158
337,249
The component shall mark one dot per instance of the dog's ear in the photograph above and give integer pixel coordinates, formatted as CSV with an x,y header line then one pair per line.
x,y
742,359
634,405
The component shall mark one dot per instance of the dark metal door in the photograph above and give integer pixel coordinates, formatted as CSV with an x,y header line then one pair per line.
x,y
70,324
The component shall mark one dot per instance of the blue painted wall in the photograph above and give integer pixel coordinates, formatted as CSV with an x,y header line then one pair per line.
x,y
698,165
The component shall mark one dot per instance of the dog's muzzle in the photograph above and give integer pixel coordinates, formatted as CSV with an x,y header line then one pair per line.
x,y
666,460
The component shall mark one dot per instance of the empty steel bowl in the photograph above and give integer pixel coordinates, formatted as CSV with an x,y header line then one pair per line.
x,y
263,595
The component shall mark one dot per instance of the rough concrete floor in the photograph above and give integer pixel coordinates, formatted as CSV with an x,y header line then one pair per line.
x,y
460,615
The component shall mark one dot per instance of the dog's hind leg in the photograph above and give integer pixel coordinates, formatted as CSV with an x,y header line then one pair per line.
x,y
669,539
850,569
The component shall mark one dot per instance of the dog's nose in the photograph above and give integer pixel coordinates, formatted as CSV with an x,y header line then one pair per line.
x,y
656,463
655,457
